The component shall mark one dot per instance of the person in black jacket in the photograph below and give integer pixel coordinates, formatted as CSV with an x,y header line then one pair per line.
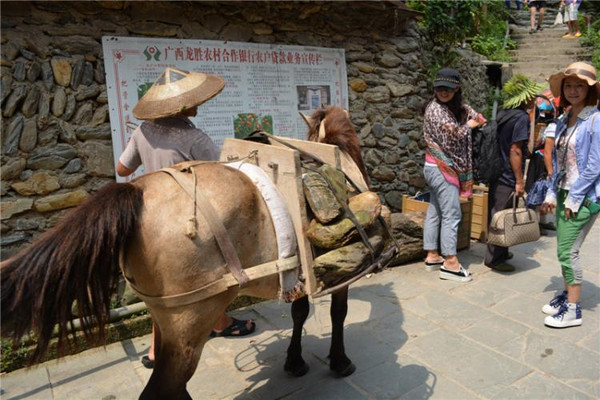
x,y
513,134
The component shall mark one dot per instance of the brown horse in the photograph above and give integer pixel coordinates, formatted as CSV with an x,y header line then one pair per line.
x,y
137,228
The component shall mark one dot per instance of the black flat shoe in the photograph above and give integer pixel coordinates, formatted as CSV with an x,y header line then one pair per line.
x,y
147,362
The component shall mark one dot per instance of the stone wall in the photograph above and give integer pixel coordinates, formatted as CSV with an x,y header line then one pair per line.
x,y
56,141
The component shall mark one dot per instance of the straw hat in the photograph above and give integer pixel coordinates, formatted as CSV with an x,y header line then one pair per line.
x,y
176,90
519,90
581,70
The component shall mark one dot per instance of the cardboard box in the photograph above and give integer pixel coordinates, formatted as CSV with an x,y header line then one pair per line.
x,y
479,215
464,228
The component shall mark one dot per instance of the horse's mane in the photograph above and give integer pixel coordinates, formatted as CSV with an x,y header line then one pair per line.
x,y
339,132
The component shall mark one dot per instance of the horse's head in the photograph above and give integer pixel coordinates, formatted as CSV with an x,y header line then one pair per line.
x,y
332,125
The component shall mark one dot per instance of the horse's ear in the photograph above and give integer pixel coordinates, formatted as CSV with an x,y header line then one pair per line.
x,y
308,119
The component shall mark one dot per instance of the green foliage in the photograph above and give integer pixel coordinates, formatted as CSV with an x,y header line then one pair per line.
x,y
591,38
478,22
518,90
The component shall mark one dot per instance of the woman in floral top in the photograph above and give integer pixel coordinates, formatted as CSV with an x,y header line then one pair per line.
x,y
448,170
574,187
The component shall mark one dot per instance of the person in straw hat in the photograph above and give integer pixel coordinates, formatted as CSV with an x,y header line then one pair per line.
x,y
519,94
574,187
167,137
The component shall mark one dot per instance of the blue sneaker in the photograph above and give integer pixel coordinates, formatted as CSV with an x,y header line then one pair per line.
x,y
568,315
554,305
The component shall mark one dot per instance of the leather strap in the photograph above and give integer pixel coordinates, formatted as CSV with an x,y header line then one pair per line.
x,y
228,250
219,286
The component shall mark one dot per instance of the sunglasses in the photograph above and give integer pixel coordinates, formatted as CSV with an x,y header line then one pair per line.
x,y
445,89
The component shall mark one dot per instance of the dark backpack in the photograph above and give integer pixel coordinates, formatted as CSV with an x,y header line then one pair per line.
x,y
487,160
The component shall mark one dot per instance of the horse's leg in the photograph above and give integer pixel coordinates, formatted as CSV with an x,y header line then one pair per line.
x,y
338,361
173,368
294,363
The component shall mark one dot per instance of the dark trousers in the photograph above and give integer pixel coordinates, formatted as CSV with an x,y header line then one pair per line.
x,y
499,199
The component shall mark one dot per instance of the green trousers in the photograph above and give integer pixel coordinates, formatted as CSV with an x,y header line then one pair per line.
x,y
570,234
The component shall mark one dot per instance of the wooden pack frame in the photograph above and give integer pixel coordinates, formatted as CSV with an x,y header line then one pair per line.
x,y
282,165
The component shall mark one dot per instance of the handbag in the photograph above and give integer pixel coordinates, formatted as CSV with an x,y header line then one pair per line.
x,y
513,226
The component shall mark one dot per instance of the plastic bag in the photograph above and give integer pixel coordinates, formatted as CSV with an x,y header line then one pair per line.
x,y
559,20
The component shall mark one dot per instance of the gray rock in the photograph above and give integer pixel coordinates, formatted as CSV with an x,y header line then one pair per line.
x,y
377,95
31,102
44,109
77,73
72,181
73,166
59,102
403,140
389,60
14,100
88,74
102,98
51,157
5,88
373,157
99,116
28,136
67,132
213,22
10,144
13,168
383,173
70,107
83,116
93,133
378,130
11,50
27,54
48,136
77,44
19,72
87,92
237,32
26,224
14,238
99,75
47,76
4,188
34,71
98,157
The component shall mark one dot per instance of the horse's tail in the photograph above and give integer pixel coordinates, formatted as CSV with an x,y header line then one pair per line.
x,y
75,261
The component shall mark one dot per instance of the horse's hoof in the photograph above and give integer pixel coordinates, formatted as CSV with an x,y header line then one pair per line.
x,y
344,371
296,371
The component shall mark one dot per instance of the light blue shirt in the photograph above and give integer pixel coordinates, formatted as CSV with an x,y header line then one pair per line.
x,y
587,147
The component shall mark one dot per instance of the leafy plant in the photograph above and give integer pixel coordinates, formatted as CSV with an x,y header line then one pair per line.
x,y
591,38
478,22
518,90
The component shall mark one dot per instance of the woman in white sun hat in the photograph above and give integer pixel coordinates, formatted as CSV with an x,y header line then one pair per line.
x,y
574,187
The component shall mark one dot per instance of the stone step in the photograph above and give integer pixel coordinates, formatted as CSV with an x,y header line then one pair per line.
x,y
572,51
562,59
549,34
555,47
538,75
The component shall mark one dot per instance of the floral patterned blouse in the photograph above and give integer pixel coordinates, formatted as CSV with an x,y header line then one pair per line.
x,y
449,145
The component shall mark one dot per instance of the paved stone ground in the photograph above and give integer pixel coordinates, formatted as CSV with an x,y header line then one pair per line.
x,y
411,335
